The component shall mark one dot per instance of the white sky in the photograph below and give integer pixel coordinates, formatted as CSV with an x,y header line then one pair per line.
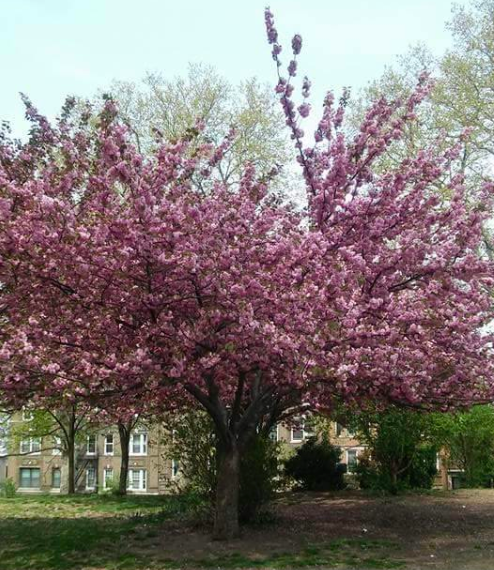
x,y
53,48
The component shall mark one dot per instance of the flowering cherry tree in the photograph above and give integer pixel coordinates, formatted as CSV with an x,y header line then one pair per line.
x,y
119,279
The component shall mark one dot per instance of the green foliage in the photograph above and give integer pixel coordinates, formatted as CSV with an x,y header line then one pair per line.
x,y
34,424
401,449
469,439
423,468
8,489
112,487
316,466
258,477
193,443
419,475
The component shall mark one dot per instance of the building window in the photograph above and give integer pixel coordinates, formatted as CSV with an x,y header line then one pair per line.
x,y
57,445
56,478
109,444
352,460
301,430
91,445
31,446
297,434
175,468
107,478
342,431
29,478
137,480
90,478
138,444
273,433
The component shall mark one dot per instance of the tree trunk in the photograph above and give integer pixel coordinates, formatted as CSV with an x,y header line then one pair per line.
x,y
394,478
124,435
226,525
71,462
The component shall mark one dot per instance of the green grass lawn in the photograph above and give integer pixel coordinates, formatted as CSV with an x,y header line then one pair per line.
x,y
106,532
77,532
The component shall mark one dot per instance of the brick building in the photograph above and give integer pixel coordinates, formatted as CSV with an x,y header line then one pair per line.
x,y
39,465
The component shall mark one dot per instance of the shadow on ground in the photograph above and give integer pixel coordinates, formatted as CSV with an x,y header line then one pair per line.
x,y
345,530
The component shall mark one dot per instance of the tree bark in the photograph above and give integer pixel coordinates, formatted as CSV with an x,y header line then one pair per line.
x,y
226,523
71,464
124,434
71,454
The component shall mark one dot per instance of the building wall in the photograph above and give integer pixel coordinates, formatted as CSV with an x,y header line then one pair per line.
x,y
153,467
3,469
152,471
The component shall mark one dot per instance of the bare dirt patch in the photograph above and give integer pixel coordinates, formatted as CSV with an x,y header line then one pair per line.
x,y
439,531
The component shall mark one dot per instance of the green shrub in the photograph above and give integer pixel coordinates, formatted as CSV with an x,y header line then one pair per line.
x,y
7,489
112,487
258,478
423,468
316,466
419,473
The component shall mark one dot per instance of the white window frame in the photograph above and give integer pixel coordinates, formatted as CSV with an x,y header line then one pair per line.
x,y
344,431
143,443
88,440
57,446
296,439
106,476
88,487
31,442
142,485
108,443
175,468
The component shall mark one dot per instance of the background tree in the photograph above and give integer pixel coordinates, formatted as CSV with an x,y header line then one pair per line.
x,y
64,428
460,100
468,437
158,109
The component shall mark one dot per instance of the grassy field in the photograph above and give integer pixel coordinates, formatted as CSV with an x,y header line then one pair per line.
x,y
343,530
105,532
78,532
